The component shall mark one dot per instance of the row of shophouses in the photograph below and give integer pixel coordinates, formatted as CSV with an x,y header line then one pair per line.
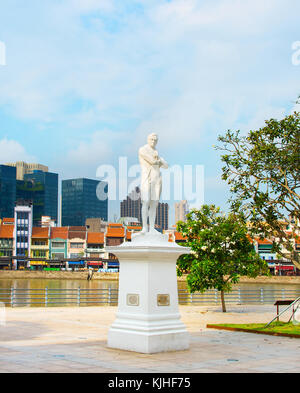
x,y
75,247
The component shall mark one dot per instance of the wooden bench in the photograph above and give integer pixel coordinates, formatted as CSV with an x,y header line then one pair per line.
x,y
282,303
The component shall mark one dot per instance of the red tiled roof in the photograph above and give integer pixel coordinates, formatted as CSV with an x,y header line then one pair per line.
x,y
115,232
81,228
59,233
264,241
77,235
40,233
297,239
77,232
249,238
6,231
95,238
178,236
8,221
134,227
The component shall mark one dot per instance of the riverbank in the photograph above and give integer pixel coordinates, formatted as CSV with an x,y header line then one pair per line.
x,y
82,275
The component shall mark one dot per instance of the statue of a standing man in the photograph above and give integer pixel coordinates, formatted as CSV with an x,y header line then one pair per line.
x,y
151,182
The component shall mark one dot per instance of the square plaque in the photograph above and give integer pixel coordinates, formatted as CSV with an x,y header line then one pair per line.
x,y
133,299
163,300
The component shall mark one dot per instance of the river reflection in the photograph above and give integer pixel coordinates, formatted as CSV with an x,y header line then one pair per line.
x,y
113,284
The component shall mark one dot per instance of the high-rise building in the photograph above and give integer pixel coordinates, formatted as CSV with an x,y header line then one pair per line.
x,y
80,201
7,191
181,210
162,216
22,168
132,207
42,189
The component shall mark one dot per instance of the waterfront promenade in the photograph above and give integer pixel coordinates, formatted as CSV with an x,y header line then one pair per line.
x,y
73,339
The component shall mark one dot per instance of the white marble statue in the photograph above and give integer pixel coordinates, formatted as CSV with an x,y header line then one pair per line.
x,y
151,182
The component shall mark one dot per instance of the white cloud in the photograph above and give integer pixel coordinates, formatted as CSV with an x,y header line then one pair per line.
x,y
173,46
99,148
83,6
11,151
185,69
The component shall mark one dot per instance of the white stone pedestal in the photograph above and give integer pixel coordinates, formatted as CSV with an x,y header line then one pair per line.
x,y
148,318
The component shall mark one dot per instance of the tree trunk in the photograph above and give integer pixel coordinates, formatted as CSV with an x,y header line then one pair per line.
x,y
223,301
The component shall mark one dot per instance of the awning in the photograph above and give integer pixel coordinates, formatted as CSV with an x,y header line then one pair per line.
x,y
35,263
95,263
76,263
284,267
115,264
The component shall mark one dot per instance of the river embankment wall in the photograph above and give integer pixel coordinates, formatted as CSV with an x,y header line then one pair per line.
x,y
82,275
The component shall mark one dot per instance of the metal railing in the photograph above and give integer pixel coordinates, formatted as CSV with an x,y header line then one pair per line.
x,y
58,297
294,305
239,296
109,296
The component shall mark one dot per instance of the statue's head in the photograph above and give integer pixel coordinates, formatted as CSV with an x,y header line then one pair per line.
x,y
152,140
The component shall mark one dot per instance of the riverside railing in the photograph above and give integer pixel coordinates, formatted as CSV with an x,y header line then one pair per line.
x,y
30,297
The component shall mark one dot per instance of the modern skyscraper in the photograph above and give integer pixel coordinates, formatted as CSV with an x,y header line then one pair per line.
x,y
80,201
132,207
181,210
162,216
7,191
42,189
22,168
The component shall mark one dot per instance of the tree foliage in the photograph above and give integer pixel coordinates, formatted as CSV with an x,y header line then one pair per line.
x,y
221,251
262,169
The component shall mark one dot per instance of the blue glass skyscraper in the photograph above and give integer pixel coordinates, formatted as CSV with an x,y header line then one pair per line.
x,y
80,201
42,189
7,191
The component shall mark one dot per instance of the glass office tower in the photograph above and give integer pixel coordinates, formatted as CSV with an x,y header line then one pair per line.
x,y
42,189
80,201
7,191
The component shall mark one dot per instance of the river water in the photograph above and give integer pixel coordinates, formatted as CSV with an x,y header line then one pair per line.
x,y
113,284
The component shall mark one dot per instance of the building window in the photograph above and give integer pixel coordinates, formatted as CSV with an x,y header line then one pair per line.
x,y
39,254
58,244
39,243
76,245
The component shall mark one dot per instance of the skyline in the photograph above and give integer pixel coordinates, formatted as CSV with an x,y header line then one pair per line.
x,y
85,81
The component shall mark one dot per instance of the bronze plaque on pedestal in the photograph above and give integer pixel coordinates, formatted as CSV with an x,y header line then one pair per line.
x,y
163,300
133,299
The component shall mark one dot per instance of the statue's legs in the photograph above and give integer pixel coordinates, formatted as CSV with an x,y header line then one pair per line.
x,y
152,215
145,210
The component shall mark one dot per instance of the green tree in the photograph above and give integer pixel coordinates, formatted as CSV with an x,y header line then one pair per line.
x,y
221,251
262,169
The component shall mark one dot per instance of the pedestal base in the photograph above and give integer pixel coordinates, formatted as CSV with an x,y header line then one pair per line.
x,y
145,343
148,334
148,319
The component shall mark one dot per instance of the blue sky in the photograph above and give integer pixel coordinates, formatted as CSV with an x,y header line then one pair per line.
x,y
87,80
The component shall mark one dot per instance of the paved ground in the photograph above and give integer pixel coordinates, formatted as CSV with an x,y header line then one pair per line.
x,y
74,340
